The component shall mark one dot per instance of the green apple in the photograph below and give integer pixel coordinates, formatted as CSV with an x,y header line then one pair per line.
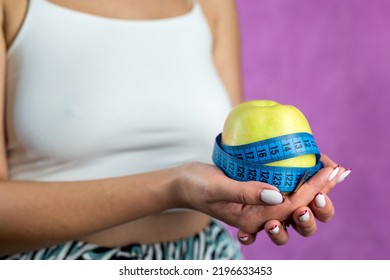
x,y
258,120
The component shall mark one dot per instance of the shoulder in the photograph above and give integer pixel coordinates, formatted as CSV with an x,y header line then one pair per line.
x,y
12,15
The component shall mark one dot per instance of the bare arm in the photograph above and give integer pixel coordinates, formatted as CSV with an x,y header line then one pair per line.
x,y
3,161
222,18
35,214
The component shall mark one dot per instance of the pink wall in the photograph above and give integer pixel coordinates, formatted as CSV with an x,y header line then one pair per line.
x,y
331,59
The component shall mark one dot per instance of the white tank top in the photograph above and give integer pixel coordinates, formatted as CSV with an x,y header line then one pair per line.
x,y
92,97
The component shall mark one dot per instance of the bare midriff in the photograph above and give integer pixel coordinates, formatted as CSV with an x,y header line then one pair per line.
x,y
158,228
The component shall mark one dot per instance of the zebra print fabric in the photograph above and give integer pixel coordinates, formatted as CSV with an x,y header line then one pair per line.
x,y
213,242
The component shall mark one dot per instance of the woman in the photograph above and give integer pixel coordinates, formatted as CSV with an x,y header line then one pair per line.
x,y
109,110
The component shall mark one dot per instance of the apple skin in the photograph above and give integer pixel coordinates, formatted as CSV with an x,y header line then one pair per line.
x,y
258,120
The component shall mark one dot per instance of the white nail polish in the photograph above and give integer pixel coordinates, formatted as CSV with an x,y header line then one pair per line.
x,y
320,200
344,175
304,217
271,197
243,238
274,230
334,173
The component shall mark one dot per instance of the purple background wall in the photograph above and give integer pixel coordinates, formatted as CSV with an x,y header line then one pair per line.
x,y
331,59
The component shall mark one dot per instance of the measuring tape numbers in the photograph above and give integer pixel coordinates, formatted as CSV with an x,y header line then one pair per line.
x,y
247,162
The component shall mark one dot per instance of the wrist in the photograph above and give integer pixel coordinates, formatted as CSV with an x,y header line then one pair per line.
x,y
173,196
182,186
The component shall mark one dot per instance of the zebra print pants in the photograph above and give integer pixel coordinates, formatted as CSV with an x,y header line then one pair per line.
x,y
213,242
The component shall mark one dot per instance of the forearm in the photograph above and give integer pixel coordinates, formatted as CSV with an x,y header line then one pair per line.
x,y
39,214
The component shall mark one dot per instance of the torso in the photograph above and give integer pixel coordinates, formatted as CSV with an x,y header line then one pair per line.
x,y
166,226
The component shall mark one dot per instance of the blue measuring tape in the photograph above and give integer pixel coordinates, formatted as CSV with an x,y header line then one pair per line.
x,y
247,162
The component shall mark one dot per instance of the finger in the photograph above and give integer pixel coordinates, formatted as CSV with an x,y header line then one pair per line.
x,y
322,207
276,232
317,184
249,193
342,174
327,161
246,238
338,175
304,221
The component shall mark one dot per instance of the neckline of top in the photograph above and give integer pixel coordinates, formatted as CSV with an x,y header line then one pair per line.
x,y
120,20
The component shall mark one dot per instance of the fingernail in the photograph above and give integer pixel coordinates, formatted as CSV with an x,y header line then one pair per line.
x,y
320,200
274,230
334,173
271,197
243,238
304,216
344,175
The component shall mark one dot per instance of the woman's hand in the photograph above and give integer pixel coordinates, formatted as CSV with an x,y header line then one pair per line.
x,y
303,218
252,206
245,205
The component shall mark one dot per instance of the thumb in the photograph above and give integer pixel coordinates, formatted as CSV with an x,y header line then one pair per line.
x,y
250,193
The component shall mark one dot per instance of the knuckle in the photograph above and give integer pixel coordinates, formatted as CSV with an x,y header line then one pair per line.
x,y
246,225
280,241
309,231
242,196
326,217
